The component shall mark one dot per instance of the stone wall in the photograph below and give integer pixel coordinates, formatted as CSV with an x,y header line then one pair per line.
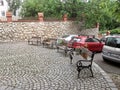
x,y
21,31
92,31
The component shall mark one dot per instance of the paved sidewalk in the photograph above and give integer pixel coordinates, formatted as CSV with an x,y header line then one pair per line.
x,y
27,67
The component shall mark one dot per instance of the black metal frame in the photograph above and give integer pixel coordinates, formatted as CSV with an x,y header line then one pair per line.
x,y
81,65
34,40
49,42
71,55
64,48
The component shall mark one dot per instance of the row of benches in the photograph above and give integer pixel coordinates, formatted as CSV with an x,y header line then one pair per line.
x,y
39,41
49,42
81,64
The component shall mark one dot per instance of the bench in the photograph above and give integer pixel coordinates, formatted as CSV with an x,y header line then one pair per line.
x,y
49,42
84,62
62,45
64,48
35,40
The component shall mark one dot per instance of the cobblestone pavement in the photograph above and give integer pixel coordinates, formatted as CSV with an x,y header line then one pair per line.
x,y
27,67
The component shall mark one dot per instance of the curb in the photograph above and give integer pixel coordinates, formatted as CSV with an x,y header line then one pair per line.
x,y
106,77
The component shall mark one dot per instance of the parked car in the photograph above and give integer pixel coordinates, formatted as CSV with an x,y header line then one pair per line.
x,y
65,38
103,39
93,44
111,49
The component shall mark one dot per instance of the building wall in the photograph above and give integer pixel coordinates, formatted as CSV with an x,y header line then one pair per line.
x,y
3,8
22,31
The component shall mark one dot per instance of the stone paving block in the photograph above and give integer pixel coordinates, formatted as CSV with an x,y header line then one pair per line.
x,y
3,87
17,89
27,67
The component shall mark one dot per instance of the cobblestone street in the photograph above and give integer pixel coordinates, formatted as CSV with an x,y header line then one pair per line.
x,y
29,67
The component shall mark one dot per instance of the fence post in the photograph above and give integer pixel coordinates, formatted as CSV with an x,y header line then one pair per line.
x,y
97,25
40,17
65,17
9,16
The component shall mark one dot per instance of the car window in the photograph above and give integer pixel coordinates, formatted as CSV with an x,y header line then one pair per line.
x,y
92,40
89,40
118,42
113,42
95,40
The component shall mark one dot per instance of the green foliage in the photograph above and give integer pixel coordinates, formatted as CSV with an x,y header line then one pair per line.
x,y
117,10
113,31
100,11
52,8
30,8
71,7
104,12
14,5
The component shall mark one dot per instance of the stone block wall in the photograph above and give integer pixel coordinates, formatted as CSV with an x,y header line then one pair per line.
x,y
92,31
21,31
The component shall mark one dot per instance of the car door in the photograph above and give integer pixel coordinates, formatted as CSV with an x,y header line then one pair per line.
x,y
94,44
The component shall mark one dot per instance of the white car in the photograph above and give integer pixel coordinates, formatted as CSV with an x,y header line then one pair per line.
x,y
111,49
65,38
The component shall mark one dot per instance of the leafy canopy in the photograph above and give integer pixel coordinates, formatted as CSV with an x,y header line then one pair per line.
x,y
105,12
14,5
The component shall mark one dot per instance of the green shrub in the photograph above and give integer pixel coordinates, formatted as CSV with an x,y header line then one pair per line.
x,y
113,31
